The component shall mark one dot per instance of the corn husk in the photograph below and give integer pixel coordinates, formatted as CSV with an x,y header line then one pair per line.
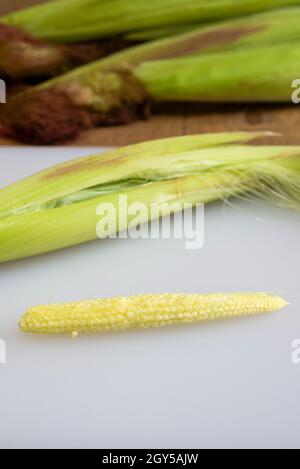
x,y
21,60
264,28
235,76
253,60
76,20
242,75
57,208
261,30
239,76
24,58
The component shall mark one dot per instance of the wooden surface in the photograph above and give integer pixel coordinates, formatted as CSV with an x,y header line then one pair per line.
x,y
185,120
174,120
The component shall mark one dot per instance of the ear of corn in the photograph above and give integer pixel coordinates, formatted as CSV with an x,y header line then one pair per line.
x,y
161,171
235,76
260,30
29,234
144,311
58,208
21,58
73,20
144,162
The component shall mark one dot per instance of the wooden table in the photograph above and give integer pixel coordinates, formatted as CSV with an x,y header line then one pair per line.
x,y
183,119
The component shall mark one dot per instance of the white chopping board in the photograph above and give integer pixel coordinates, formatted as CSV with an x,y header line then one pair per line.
x,y
223,384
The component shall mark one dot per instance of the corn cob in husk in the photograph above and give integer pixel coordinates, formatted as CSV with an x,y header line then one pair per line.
x,y
77,20
144,311
27,59
24,56
57,208
252,75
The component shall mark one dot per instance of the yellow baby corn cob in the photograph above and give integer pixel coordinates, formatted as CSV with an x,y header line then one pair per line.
x,y
144,311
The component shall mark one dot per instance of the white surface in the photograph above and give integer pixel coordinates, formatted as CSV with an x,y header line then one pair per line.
x,y
223,384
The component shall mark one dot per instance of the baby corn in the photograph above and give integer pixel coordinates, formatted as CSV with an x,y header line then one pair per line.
x,y
144,311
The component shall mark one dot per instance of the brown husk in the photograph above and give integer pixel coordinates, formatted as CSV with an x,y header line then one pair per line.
x,y
10,33
81,53
24,58
43,117
51,116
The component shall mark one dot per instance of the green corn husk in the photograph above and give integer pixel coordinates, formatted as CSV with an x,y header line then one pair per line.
x,y
145,161
56,208
264,28
243,75
22,60
251,75
76,20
